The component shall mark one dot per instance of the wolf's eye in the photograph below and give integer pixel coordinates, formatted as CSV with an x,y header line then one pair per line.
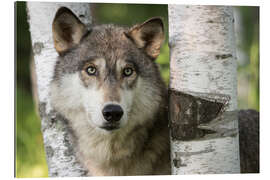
x,y
127,71
91,70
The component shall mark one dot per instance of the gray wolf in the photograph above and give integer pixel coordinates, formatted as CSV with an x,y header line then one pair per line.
x,y
107,85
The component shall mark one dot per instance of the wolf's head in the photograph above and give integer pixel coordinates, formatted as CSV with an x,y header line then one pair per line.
x,y
106,74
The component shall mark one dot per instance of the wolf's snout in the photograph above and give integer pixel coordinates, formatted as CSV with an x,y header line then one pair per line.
x,y
112,113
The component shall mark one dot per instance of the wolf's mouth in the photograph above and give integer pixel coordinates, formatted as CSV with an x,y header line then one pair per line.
x,y
110,127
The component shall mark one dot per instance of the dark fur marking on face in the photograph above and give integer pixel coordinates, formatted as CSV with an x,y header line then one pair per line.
x,y
85,77
88,60
134,65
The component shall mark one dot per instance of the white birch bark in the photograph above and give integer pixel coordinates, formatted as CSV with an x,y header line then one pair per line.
x,y
57,139
203,69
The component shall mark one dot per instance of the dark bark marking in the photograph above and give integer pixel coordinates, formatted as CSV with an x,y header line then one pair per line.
x,y
81,16
192,115
42,109
55,174
218,125
37,47
49,151
177,162
48,120
182,154
223,56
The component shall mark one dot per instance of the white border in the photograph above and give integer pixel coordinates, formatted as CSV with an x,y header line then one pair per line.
x,y
7,90
190,2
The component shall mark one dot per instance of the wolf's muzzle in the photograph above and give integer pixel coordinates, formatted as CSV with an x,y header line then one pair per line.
x,y
112,113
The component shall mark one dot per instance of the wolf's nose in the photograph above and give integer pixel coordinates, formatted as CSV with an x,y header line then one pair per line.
x,y
112,112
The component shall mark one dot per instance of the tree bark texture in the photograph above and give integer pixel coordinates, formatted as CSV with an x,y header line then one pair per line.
x,y
56,134
203,90
249,141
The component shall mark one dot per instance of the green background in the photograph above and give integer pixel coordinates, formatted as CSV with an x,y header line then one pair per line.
x,y
30,156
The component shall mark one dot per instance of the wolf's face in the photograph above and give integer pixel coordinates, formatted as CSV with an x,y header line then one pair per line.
x,y
106,74
107,90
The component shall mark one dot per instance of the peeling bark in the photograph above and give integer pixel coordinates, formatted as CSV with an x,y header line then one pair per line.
x,y
57,136
203,90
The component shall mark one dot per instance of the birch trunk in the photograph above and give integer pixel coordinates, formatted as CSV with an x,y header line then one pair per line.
x,y
57,137
203,90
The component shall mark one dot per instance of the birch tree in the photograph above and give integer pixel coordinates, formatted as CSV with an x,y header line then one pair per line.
x,y
203,90
56,134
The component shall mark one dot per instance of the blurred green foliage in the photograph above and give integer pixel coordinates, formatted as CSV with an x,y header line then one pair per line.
x,y
30,156
250,45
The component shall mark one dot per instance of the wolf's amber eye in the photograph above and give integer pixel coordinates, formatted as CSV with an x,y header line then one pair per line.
x,y
127,71
91,70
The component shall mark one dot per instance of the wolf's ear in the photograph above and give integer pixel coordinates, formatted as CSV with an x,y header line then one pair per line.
x,y
67,30
148,36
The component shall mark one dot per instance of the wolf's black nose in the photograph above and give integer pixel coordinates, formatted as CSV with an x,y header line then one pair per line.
x,y
112,112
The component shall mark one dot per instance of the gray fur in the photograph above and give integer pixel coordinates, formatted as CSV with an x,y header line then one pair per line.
x,y
141,147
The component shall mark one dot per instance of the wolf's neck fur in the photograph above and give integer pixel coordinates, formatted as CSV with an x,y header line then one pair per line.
x,y
131,150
